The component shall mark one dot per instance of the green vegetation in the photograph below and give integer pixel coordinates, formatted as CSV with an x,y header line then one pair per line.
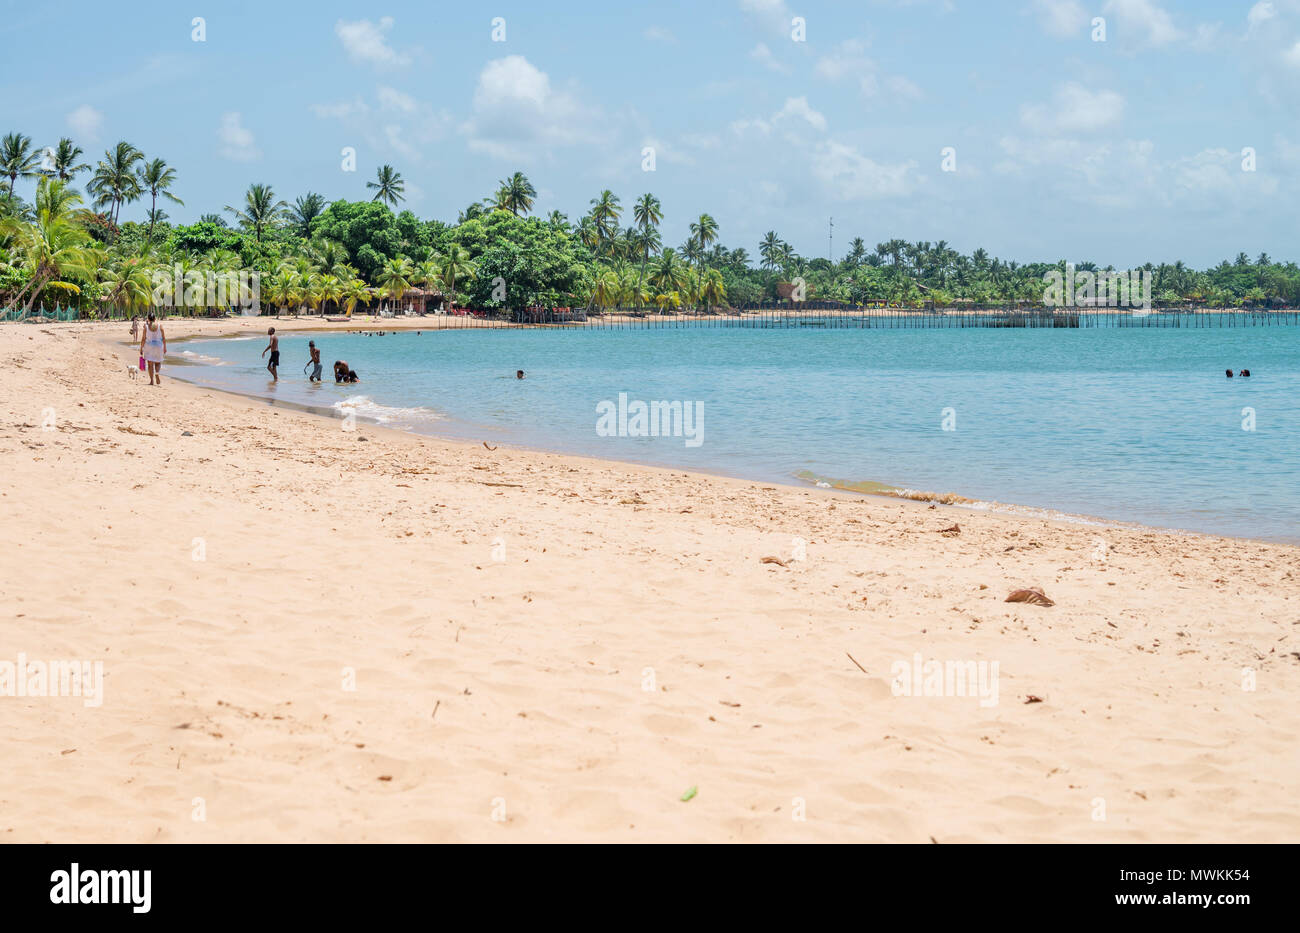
x,y
338,256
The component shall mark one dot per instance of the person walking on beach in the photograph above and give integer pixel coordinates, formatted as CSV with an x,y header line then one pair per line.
x,y
274,347
315,360
135,327
153,346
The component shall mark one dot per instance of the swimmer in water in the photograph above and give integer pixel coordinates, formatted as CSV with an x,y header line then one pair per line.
x,y
1229,373
519,374
1245,373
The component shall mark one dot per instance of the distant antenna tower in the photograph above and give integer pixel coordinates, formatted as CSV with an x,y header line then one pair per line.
x,y
830,240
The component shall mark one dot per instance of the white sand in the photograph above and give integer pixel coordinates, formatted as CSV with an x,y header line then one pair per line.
x,y
516,688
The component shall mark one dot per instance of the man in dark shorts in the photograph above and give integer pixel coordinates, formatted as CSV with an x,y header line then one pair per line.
x,y
274,347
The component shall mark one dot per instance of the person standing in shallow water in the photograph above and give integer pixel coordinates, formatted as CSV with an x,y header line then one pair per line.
x,y
153,346
315,361
274,347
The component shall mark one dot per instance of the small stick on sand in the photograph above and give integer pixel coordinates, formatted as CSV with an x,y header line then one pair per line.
x,y
855,661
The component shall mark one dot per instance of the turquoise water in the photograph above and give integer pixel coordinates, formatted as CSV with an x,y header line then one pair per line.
x,y
1127,424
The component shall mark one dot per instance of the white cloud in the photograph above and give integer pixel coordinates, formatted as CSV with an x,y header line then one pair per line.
x,y
516,112
1062,18
772,15
1116,174
1145,17
237,143
659,34
391,99
789,118
796,108
1260,13
849,61
1074,109
1292,56
364,42
86,122
395,122
902,88
342,109
850,175
763,55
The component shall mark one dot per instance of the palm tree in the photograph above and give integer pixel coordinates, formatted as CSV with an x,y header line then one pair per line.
x,y
307,208
588,233
605,211
330,256
352,293
127,284
17,160
453,265
394,279
155,216
330,289
605,290
648,214
558,221
475,209
713,291
669,273
213,219
388,186
261,209
157,177
516,194
429,275
63,161
115,181
691,249
705,231
770,250
667,300
55,246
284,288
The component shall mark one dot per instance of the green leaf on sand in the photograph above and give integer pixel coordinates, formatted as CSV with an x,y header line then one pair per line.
x,y
689,794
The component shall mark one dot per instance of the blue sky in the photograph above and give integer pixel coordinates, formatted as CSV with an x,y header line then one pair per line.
x,y
1121,151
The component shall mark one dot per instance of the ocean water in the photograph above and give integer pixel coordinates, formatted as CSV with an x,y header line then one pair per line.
x,y
1125,424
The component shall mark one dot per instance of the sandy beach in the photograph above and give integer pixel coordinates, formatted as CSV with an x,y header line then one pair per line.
x,y
310,634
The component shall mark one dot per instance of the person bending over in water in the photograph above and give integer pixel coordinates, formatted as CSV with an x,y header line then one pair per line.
x,y
344,373
274,348
315,361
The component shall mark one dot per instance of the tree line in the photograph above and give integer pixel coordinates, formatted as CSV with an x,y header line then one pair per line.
x,y
71,249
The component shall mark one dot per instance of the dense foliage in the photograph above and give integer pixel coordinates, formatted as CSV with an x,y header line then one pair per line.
x,y
340,255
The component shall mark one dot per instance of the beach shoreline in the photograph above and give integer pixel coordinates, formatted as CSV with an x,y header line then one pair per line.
x,y
216,329
315,635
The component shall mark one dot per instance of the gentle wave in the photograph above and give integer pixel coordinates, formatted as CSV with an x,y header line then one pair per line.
x,y
948,498
202,358
363,406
